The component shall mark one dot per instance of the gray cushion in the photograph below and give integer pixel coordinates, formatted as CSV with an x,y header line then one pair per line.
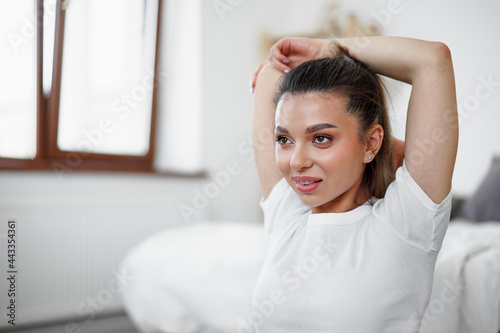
x,y
484,205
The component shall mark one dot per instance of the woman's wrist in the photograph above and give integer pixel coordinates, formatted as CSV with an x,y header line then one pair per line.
x,y
329,49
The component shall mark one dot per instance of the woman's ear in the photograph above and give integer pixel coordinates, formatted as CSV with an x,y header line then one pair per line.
x,y
374,142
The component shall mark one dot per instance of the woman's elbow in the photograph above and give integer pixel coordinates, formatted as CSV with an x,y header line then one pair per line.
x,y
267,77
440,54
268,72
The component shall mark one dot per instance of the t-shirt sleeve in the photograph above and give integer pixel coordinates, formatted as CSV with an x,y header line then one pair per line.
x,y
282,208
409,211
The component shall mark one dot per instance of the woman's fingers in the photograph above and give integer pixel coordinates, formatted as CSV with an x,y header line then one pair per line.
x,y
280,64
290,52
278,56
281,53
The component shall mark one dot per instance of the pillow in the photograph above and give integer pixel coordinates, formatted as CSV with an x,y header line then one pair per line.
x,y
484,205
456,205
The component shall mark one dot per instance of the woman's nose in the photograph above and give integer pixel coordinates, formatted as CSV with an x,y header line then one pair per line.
x,y
300,158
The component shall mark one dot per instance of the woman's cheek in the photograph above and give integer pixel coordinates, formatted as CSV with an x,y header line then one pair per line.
x,y
281,160
327,157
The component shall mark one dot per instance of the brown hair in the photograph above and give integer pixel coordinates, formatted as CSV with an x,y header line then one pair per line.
x,y
366,101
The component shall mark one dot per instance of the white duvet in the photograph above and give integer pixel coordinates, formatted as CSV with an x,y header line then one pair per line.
x,y
200,277
466,291
194,278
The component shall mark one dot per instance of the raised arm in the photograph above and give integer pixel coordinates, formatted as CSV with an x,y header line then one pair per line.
x,y
264,80
263,128
432,122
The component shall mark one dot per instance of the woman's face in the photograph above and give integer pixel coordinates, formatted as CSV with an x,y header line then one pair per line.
x,y
318,150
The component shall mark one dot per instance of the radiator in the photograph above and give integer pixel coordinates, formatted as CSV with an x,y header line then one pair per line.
x,y
69,247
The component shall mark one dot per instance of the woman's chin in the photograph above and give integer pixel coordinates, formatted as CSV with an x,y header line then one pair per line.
x,y
309,200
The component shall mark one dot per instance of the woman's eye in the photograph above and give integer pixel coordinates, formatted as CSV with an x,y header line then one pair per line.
x,y
322,139
282,140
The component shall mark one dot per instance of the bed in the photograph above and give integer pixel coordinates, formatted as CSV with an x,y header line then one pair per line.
x,y
199,277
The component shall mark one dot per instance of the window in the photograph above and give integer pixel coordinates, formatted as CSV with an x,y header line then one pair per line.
x,y
80,91
17,86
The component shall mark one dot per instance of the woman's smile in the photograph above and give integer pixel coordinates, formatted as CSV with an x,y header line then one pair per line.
x,y
307,184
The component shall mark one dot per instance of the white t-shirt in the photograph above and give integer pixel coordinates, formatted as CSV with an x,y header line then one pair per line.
x,y
366,270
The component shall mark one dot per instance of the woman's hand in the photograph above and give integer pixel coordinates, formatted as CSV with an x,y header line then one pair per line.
x,y
290,52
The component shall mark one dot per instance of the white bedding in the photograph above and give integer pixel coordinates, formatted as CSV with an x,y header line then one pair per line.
x,y
194,278
200,277
466,290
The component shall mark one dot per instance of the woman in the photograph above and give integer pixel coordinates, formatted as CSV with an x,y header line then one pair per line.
x,y
351,247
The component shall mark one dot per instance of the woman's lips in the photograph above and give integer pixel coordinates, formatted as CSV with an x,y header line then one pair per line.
x,y
309,187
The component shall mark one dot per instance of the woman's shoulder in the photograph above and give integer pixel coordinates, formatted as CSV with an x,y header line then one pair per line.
x,y
282,206
280,190
404,183
282,196
408,210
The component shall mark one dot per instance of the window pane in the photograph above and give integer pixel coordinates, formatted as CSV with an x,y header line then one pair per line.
x,y
107,76
49,26
18,79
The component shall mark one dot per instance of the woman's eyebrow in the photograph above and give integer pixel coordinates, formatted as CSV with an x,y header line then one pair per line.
x,y
309,130
282,130
318,127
